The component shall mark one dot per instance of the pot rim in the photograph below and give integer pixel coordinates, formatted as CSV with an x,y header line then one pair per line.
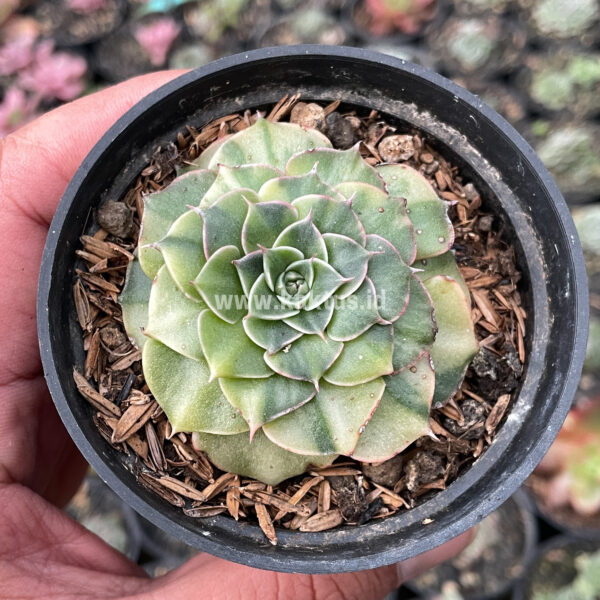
x,y
280,558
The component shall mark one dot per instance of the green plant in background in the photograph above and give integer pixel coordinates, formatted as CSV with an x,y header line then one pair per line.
x,y
285,325
209,19
573,462
566,81
470,44
560,19
585,586
572,154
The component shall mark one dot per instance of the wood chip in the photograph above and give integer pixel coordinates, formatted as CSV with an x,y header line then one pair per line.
x,y
233,499
497,412
324,502
82,306
391,495
306,486
179,487
265,522
323,521
199,512
485,306
271,499
155,447
97,400
127,361
220,484
132,420
152,483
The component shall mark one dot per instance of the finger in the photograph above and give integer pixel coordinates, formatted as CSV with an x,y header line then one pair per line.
x,y
39,159
409,569
223,580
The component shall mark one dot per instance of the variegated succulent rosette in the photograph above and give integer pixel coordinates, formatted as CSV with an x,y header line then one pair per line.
x,y
295,303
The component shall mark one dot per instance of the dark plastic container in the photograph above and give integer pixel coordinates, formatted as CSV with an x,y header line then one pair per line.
x,y
564,570
514,184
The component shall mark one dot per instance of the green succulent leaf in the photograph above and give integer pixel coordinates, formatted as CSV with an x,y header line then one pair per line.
x,y
270,335
251,177
327,281
445,264
428,213
384,216
289,188
224,221
268,144
219,285
304,236
349,259
364,358
335,166
313,321
334,216
173,318
261,401
184,391
264,223
402,415
415,331
162,208
203,161
259,459
249,269
355,314
264,304
455,343
293,285
134,302
390,276
228,350
306,359
183,252
276,261
329,423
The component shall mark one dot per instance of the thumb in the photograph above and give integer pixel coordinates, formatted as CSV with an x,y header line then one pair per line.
x,y
221,580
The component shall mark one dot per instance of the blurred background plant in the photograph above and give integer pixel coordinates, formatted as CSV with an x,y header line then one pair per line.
x,y
537,62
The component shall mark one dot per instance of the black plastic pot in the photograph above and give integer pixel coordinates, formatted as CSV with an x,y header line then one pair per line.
x,y
563,571
581,529
515,186
518,505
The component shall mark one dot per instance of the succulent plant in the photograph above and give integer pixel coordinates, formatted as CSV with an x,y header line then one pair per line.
x,y
285,325
572,154
157,37
585,586
406,16
559,19
573,462
483,46
566,81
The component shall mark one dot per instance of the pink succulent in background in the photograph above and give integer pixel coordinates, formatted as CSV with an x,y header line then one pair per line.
x,y
54,74
156,38
15,110
16,52
86,7
407,16
571,467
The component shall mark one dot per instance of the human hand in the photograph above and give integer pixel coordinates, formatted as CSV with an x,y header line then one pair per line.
x,y
43,552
